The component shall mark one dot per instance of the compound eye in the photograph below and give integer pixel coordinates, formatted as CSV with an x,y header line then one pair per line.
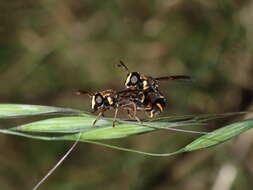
x,y
99,99
134,79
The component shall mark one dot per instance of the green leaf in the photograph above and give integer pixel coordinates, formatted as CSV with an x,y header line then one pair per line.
x,y
216,137
81,126
63,125
103,133
220,135
197,118
102,130
21,110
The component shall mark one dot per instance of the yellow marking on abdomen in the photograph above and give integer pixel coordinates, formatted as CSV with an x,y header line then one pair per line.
x,y
159,106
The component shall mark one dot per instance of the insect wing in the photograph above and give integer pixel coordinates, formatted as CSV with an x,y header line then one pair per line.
x,y
175,77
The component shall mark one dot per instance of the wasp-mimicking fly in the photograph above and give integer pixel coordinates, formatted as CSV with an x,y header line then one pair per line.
x,y
152,100
110,99
136,80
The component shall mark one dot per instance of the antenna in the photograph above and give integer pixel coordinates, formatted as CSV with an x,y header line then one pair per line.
x,y
83,92
121,64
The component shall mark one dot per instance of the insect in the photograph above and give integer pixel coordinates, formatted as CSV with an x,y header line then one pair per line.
x,y
151,103
152,100
136,80
107,99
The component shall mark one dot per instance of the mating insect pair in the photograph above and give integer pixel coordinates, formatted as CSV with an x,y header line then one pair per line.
x,y
141,93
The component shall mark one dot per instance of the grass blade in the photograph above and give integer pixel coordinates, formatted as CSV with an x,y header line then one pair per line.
x,y
103,129
45,138
216,137
198,118
63,125
22,110
62,138
220,135
72,126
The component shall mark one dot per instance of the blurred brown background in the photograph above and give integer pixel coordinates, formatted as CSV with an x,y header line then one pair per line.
x,y
49,49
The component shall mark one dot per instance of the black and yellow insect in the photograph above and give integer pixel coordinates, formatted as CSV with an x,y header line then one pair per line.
x,y
110,99
151,99
136,80
150,102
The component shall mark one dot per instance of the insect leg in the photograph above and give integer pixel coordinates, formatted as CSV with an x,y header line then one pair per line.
x,y
151,114
134,107
115,116
129,114
137,119
135,112
98,117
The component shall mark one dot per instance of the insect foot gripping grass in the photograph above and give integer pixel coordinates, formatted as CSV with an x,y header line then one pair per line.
x,y
75,125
